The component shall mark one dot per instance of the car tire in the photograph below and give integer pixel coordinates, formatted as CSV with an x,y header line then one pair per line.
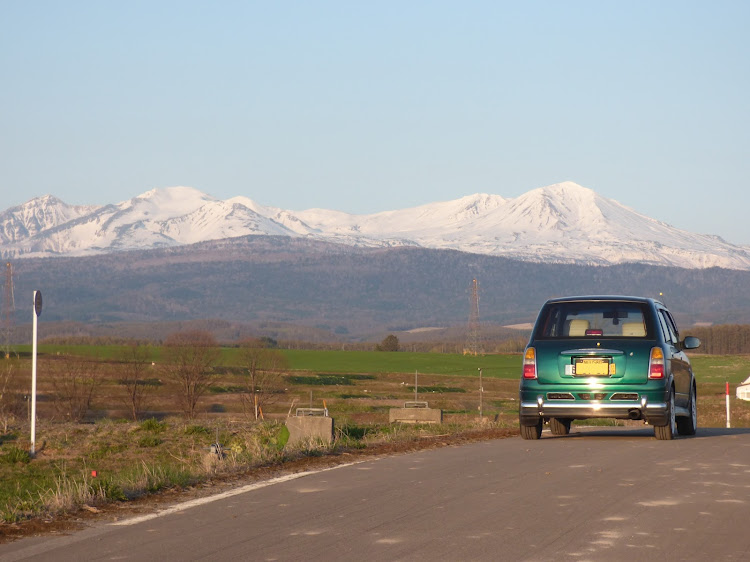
x,y
559,426
532,431
689,425
667,432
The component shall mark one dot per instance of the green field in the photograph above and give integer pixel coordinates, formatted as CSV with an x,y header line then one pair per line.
x,y
346,362
708,368
733,369
496,366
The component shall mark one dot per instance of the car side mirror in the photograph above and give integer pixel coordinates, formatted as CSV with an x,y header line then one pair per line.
x,y
691,342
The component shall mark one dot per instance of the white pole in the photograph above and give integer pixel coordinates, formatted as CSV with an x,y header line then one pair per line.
x,y
481,394
728,424
33,381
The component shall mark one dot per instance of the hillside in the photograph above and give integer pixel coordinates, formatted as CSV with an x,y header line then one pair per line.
x,y
350,291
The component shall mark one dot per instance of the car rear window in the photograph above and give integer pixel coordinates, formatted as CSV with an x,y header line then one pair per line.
x,y
594,319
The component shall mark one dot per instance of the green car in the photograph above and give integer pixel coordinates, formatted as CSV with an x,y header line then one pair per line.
x,y
607,357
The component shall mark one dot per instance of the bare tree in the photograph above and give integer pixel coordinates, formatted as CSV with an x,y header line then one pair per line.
x,y
188,359
75,382
11,400
137,365
264,368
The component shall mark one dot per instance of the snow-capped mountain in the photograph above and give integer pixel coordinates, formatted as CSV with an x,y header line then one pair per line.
x,y
559,223
37,216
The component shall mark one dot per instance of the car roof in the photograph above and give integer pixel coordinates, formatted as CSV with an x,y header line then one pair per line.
x,y
609,298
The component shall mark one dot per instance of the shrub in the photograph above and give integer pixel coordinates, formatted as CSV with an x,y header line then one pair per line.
x,y
15,454
196,430
153,425
229,389
441,389
149,441
390,343
108,490
327,380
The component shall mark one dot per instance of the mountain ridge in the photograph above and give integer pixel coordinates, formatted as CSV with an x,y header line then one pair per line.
x,y
560,223
358,291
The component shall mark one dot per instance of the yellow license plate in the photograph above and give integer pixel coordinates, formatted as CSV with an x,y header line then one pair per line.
x,y
592,367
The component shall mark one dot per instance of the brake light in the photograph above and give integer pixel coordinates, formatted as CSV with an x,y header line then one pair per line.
x,y
529,364
656,365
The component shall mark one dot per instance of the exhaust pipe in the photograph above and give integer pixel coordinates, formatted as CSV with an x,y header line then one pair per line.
x,y
634,414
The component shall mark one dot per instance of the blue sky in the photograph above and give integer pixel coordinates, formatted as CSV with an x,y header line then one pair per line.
x,y
371,106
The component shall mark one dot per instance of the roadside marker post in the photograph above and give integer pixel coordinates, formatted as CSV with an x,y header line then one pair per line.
x,y
37,312
481,395
728,424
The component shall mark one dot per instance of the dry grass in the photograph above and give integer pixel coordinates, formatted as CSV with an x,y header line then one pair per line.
x,y
133,458
92,464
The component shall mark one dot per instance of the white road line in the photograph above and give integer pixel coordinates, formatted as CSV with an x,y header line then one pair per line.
x,y
228,494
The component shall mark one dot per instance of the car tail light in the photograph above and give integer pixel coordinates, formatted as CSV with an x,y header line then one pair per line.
x,y
656,365
529,364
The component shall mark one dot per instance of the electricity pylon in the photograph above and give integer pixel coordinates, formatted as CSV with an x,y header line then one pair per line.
x,y
8,311
473,337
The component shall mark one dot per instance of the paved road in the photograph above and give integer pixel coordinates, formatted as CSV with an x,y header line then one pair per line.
x,y
595,495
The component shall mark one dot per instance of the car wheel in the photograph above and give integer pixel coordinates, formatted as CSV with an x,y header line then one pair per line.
x,y
532,431
559,427
667,432
689,424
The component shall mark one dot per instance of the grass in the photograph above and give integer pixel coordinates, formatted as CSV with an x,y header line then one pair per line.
x,y
358,388
709,368
167,454
332,362
153,425
12,436
14,454
196,430
721,368
149,441
497,366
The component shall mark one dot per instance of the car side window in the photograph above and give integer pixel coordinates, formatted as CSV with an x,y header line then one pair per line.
x,y
662,325
673,325
669,334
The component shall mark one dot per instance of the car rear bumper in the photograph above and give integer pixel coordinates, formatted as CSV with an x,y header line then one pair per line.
x,y
654,413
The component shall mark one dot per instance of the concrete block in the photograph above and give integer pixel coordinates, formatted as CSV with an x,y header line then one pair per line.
x,y
415,415
302,428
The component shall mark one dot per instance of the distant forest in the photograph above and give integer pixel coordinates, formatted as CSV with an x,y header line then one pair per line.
x,y
726,339
301,289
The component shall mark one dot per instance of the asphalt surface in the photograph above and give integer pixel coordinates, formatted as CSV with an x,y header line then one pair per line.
x,y
597,494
